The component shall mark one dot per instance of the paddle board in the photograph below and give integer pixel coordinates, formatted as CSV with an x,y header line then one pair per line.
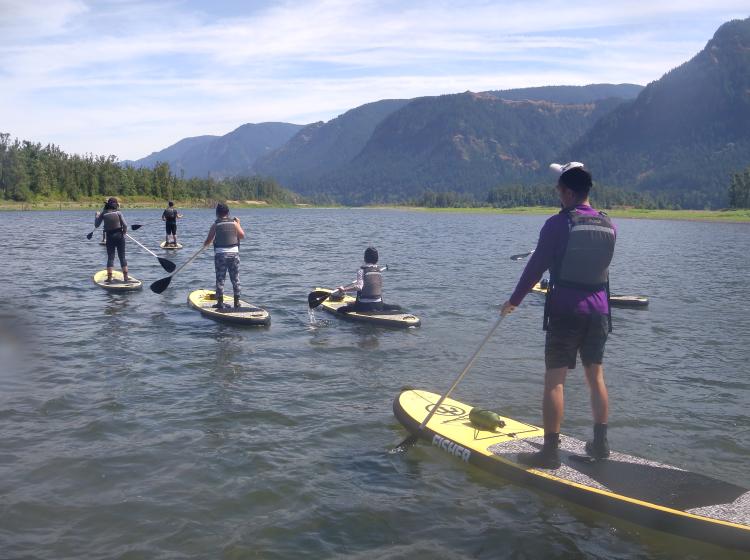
x,y
614,299
383,318
248,314
644,492
171,247
117,284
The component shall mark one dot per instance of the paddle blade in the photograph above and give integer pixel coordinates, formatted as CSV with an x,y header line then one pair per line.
x,y
136,227
160,285
316,297
168,265
520,256
409,442
90,235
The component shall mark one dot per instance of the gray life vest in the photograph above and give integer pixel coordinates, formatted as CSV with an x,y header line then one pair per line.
x,y
170,214
372,285
584,264
112,221
226,234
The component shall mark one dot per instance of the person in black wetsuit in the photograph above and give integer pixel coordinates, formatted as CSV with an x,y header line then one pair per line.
x,y
115,229
170,216
369,287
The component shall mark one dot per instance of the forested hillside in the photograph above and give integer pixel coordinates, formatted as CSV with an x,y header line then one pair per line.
x,y
686,133
30,171
321,147
231,155
465,142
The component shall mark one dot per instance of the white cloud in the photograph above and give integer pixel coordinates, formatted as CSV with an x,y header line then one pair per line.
x,y
149,73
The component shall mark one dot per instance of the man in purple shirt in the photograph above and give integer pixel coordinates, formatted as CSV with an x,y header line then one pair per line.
x,y
576,246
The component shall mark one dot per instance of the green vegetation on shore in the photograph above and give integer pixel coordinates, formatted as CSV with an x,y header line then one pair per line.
x,y
636,213
34,174
739,216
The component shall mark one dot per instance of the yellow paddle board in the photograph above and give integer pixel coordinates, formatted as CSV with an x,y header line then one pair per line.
x,y
170,247
383,318
247,314
644,492
615,300
117,284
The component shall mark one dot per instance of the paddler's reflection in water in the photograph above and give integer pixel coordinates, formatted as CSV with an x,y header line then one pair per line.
x,y
116,303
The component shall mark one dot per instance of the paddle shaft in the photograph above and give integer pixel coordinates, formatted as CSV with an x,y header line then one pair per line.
x,y
461,375
191,259
141,245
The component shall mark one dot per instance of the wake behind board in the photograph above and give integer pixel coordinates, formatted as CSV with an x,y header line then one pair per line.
x,y
247,314
644,492
615,300
169,246
117,284
382,318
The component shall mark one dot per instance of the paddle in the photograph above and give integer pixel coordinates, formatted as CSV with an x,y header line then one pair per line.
x,y
413,438
134,227
520,256
316,297
168,265
160,285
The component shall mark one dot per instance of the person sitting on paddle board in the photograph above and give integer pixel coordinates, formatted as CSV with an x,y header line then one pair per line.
x,y
225,234
170,216
115,229
369,287
576,246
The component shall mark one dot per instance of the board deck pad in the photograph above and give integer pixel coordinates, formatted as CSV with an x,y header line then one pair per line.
x,y
246,314
117,284
385,318
616,300
643,491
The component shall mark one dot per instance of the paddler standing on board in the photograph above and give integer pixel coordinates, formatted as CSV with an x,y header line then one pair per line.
x,y
576,246
225,234
115,229
169,216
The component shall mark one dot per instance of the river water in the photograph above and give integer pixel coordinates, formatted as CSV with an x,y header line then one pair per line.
x,y
132,427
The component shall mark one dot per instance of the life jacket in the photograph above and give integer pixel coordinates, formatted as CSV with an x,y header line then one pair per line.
x,y
584,263
112,221
372,285
226,234
170,214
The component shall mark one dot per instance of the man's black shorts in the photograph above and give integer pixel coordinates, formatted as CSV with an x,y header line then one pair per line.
x,y
171,228
569,334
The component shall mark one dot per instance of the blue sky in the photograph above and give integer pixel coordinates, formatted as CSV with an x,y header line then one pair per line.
x,y
131,77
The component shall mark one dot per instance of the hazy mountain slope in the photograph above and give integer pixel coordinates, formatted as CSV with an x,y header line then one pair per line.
x,y
321,147
686,132
570,94
223,156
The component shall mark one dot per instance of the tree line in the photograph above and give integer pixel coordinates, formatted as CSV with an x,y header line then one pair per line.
x,y
739,189
514,196
30,171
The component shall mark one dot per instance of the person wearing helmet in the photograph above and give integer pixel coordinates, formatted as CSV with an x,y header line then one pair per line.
x,y
368,285
225,234
169,216
576,246
115,229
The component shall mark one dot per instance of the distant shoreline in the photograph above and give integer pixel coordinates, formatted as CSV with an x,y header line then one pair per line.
x,y
737,216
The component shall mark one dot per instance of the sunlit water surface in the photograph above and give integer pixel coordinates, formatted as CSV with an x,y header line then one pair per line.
x,y
132,427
